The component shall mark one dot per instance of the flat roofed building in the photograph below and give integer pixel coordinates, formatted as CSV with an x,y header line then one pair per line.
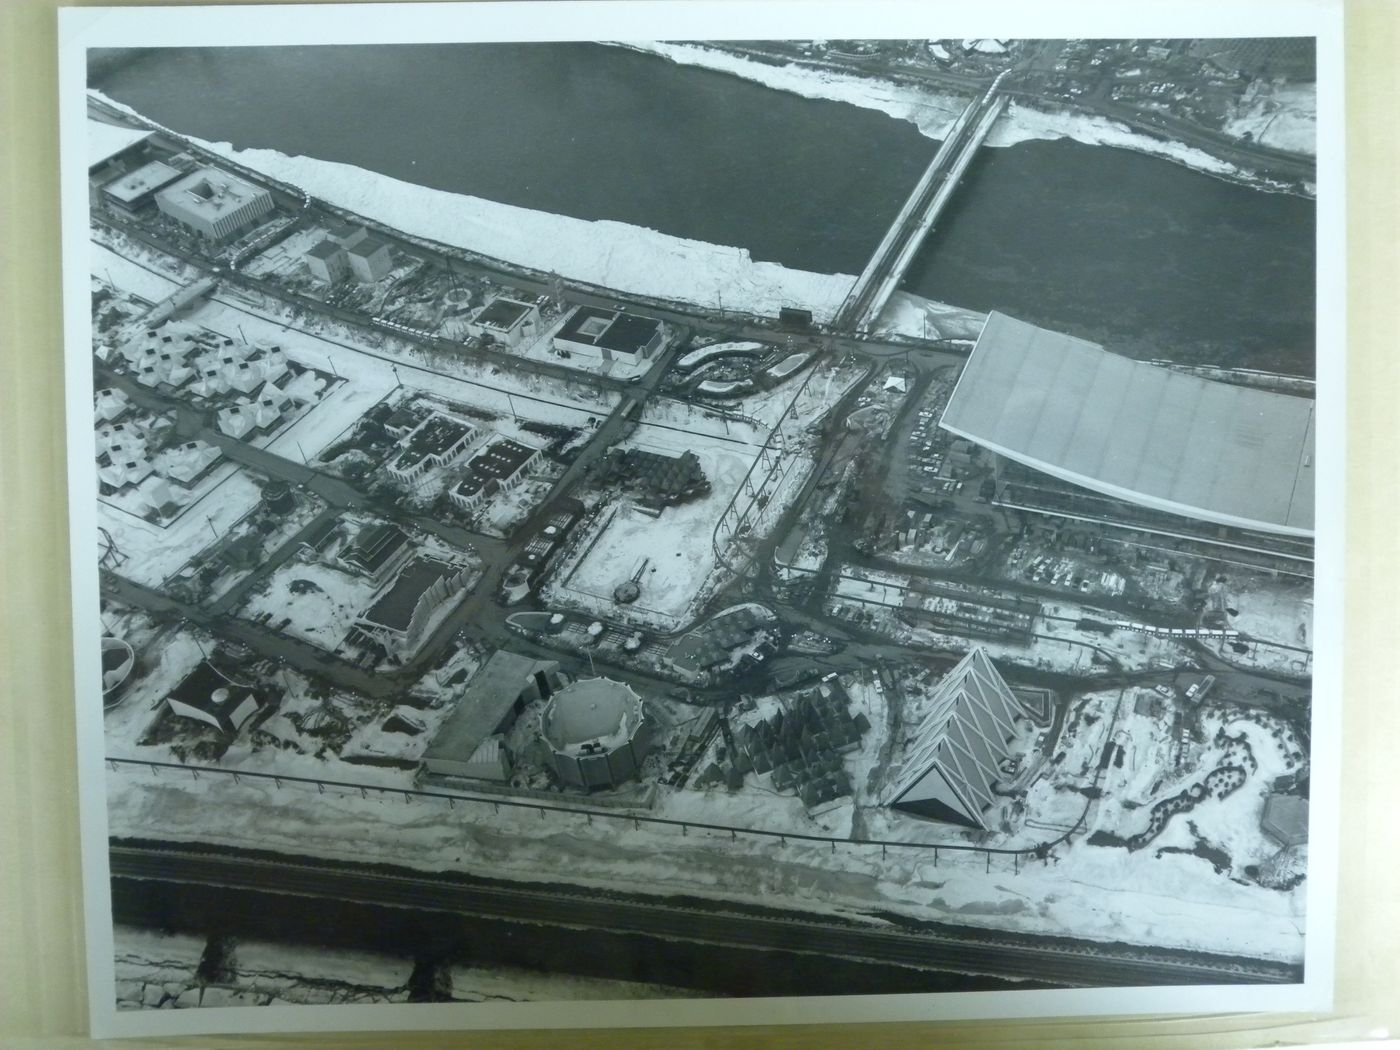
x,y
370,258
130,193
326,261
494,697
610,334
214,204
400,617
347,234
1144,434
952,763
508,321
404,419
500,467
436,441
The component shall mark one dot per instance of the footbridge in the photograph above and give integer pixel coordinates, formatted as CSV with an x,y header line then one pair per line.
x,y
886,269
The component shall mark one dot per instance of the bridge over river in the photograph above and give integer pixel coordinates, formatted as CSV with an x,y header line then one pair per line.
x,y
901,243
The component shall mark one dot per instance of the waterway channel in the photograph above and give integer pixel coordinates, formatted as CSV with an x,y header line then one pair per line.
x,y
1142,254
471,940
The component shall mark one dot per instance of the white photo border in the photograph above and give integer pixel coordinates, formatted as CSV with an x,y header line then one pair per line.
x,y
83,28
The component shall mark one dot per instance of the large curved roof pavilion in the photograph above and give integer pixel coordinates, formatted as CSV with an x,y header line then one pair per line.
x,y
1211,451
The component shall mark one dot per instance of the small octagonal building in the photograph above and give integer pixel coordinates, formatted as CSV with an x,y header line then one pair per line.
x,y
597,733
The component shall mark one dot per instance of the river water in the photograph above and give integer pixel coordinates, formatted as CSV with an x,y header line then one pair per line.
x,y
1136,252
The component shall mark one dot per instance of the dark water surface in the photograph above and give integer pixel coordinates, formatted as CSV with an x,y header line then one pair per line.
x,y
470,940
1141,254
1134,252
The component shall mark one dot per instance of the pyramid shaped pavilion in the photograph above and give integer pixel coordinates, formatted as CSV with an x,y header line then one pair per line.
x,y
951,764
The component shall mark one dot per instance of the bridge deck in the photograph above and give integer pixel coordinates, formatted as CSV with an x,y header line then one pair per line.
x,y
902,241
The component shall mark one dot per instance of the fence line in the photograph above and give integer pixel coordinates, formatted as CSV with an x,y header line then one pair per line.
x,y
1039,851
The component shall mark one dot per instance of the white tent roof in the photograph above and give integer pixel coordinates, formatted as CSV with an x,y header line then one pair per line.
x,y
1212,451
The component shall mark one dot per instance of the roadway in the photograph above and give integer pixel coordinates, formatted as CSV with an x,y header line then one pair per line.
x,y
901,243
1055,961
462,262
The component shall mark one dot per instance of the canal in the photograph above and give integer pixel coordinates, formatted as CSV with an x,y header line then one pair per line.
x,y
1142,254
472,940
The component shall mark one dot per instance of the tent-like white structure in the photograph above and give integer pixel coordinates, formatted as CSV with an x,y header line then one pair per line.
x,y
952,762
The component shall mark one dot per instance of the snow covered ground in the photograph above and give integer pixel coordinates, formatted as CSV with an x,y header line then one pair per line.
x,y
818,391
1090,892
676,546
1152,896
1284,118
151,553
320,602
375,370
161,662
119,272
605,253
1272,610
933,112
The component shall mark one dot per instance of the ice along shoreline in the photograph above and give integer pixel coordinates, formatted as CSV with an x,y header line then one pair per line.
x,y
933,112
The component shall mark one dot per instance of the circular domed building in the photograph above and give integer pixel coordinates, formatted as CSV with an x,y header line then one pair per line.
x,y
597,733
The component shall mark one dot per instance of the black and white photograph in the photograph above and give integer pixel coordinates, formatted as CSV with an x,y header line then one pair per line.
x,y
575,522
